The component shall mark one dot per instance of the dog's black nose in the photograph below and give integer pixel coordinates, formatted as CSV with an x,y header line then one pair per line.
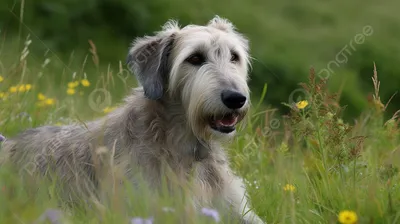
x,y
233,100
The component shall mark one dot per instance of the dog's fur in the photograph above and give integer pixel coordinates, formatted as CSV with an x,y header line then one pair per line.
x,y
163,122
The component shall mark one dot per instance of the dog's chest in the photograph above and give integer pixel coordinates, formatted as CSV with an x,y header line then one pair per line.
x,y
208,181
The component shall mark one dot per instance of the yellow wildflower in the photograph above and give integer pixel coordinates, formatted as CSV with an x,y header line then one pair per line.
x,y
58,124
289,187
85,82
41,96
1,78
50,101
72,85
28,87
3,95
70,91
108,109
302,104
347,217
21,88
13,89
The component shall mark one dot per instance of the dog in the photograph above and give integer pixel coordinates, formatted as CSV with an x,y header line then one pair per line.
x,y
192,94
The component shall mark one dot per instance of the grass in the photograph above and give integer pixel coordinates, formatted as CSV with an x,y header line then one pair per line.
x,y
304,167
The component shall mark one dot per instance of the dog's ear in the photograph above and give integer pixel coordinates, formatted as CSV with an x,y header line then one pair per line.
x,y
148,60
227,26
221,24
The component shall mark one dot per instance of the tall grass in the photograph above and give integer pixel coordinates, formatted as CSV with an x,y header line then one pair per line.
x,y
303,167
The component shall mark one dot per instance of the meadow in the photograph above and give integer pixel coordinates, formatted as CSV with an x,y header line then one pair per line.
x,y
307,166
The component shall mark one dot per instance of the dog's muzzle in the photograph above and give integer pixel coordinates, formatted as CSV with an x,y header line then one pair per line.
x,y
226,122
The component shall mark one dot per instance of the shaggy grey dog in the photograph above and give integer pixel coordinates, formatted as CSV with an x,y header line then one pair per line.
x,y
193,94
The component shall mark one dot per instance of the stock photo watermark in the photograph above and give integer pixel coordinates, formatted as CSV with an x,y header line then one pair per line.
x,y
298,95
49,151
99,99
342,56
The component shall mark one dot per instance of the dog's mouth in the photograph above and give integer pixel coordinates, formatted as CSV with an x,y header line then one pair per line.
x,y
224,123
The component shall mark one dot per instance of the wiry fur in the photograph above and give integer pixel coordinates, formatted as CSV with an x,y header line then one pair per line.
x,y
164,122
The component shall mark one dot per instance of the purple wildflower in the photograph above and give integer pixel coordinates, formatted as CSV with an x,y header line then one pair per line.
x,y
138,220
2,138
211,213
53,215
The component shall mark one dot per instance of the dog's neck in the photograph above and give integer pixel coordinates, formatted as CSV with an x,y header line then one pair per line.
x,y
176,122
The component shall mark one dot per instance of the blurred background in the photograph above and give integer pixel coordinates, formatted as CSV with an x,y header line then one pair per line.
x,y
287,39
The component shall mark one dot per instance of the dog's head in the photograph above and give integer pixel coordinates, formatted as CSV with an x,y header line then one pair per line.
x,y
205,68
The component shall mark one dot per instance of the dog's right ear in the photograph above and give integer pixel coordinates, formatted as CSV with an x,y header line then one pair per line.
x,y
148,59
221,24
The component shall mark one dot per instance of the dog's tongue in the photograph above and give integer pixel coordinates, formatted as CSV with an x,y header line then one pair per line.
x,y
228,121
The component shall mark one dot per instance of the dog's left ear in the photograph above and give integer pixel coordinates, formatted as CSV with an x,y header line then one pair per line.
x,y
148,60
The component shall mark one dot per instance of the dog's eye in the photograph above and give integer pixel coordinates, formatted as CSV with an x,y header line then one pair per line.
x,y
196,59
234,57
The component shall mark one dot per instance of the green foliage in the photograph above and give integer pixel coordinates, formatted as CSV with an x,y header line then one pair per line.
x,y
286,37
